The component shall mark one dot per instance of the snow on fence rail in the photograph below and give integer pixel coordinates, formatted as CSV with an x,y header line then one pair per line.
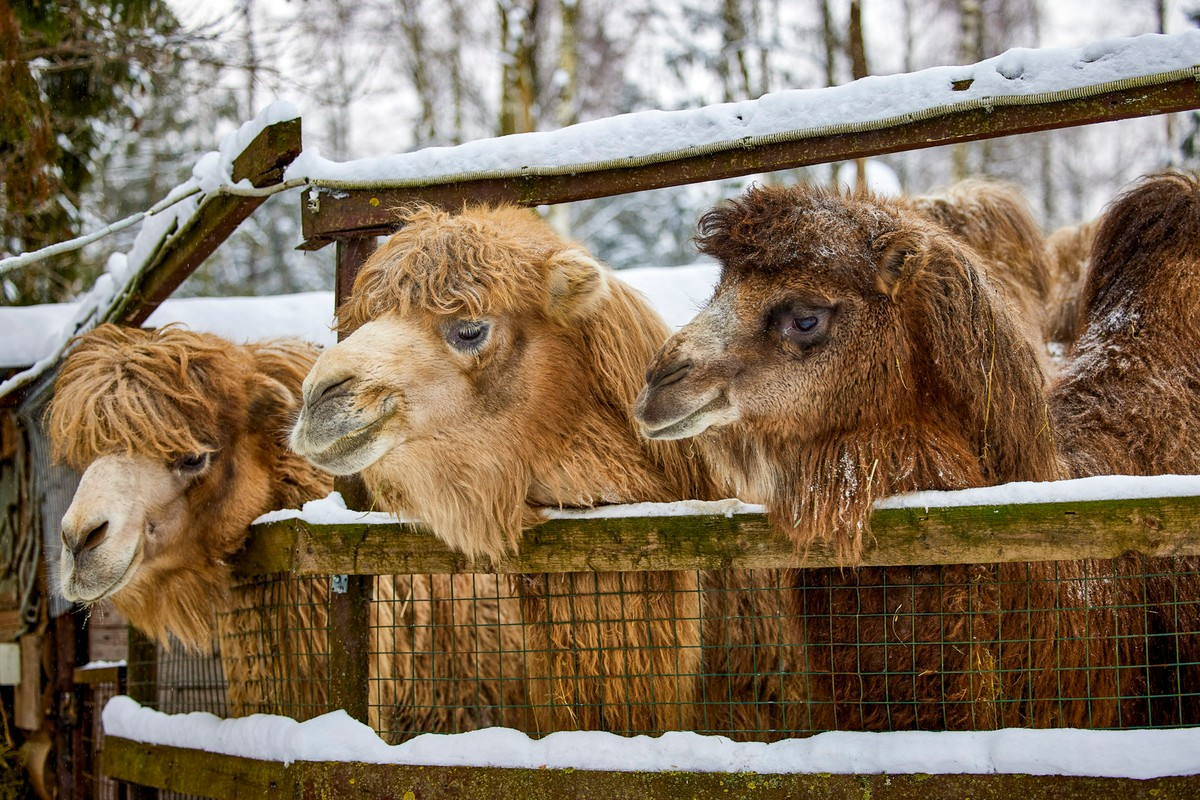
x,y
1019,91
1102,517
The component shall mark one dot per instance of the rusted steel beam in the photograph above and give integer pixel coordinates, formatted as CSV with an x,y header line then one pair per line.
x,y
233,778
358,212
262,163
351,254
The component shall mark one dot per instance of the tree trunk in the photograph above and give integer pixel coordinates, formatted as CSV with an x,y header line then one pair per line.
x,y
858,69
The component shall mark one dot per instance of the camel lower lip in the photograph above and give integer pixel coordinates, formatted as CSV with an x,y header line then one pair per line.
x,y
349,443
113,587
684,426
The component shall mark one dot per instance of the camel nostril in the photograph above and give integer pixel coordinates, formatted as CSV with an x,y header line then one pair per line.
x,y
668,374
321,392
95,537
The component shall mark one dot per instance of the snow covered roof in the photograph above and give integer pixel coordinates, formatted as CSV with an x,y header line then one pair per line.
x,y
33,332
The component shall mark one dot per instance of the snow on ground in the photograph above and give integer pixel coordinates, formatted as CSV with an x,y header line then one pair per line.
x,y
338,737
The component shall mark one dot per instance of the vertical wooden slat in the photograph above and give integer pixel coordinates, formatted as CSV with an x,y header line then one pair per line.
x,y
70,650
350,598
142,678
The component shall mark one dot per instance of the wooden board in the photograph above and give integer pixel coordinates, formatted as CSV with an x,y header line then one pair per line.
x,y
232,778
335,215
970,534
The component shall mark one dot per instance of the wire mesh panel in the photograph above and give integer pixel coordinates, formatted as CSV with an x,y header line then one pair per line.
x,y
749,654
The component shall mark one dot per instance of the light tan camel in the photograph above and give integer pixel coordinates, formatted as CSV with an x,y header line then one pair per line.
x,y
1068,250
852,350
491,372
181,438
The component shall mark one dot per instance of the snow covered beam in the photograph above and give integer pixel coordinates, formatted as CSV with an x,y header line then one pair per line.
x,y
261,163
1020,91
659,537
231,777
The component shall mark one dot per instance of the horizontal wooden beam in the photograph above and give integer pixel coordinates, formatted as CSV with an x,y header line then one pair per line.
x,y
351,213
963,535
233,778
99,676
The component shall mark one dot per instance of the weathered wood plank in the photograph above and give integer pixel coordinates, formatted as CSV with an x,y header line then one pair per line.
x,y
196,772
231,778
360,212
262,163
970,534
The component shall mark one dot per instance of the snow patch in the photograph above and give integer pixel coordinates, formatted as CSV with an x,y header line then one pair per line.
x,y
337,737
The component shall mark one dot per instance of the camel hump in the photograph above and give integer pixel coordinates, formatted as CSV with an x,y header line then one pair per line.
x,y
1146,243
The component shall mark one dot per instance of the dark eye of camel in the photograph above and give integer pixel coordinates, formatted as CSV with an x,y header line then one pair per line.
x,y
191,463
801,326
467,335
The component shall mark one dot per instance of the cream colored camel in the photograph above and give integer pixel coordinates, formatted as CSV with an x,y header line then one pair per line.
x,y
181,438
491,372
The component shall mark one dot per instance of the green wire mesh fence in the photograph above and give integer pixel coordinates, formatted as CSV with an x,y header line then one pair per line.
x,y
750,654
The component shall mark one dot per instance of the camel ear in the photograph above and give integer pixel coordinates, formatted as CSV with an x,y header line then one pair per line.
x,y
577,284
270,398
899,256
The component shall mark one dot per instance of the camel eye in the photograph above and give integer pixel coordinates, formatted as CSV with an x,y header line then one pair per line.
x,y
191,463
467,335
802,327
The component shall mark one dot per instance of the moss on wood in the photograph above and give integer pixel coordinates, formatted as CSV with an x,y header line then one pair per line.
x,y
974,534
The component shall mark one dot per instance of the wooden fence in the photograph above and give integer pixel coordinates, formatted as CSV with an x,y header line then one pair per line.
x,y
352,218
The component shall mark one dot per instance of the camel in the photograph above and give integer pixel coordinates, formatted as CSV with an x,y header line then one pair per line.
x,y
996,221
490,372
181,439
1126,401
1067,249
853,350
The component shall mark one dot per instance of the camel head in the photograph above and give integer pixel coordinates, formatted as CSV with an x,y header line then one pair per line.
x,y
851,349
180,437
491,369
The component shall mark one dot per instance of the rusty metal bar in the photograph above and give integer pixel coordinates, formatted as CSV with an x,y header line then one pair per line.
x,y
361,212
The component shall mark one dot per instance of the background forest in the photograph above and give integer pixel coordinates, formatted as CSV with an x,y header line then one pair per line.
x,y
106,104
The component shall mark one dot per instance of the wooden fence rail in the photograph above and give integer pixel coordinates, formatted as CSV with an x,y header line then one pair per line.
x,y
232,778
1167,526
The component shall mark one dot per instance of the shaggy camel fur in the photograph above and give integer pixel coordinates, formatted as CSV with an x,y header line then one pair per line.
x,y
491,372
853,350
1068,249
995,220
181,438
1128,401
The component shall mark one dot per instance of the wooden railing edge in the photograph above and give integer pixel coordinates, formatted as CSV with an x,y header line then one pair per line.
x,y
335,214
1165,526
225,777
